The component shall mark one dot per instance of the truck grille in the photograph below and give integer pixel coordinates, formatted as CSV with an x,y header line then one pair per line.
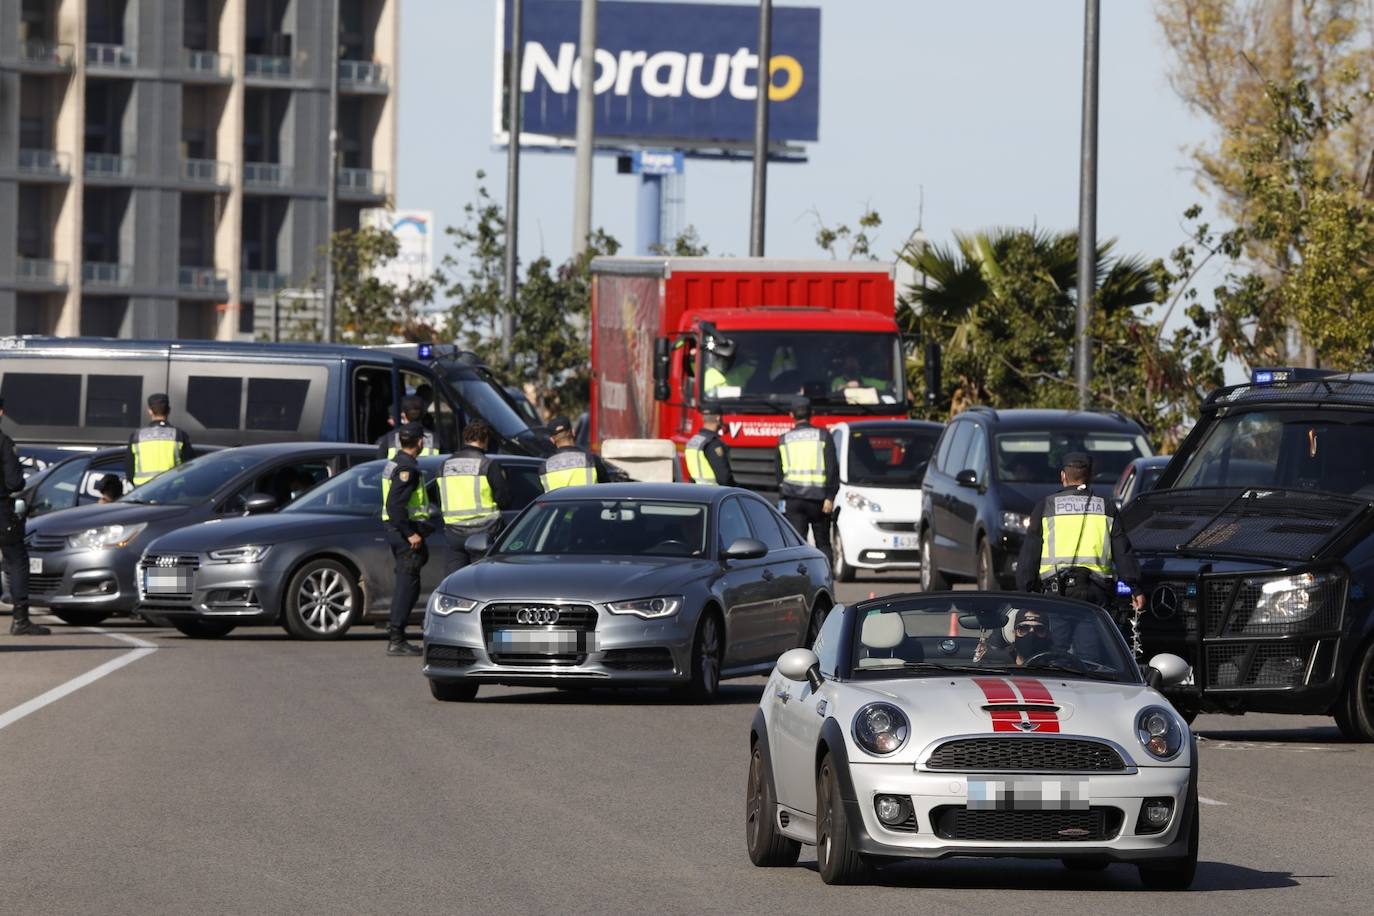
x,y
1096,824
565,642
1045,755
755,468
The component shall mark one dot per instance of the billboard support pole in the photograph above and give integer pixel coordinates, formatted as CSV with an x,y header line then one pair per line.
x,y
1087,203
764,82
512,178
586,112
649,213
332,190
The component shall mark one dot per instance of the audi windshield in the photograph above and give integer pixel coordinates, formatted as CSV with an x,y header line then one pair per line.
x,y
619,527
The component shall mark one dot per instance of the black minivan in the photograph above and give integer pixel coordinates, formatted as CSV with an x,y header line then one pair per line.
x,y
989,470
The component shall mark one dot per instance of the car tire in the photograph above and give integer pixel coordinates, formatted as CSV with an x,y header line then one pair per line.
x,y
707,651
843,571
453,691
80,618
814,624
768,848
322,601
987,572
204,629
932,580
1176,874
837,863
1355,710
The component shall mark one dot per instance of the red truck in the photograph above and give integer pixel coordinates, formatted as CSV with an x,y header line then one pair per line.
x,y
746,335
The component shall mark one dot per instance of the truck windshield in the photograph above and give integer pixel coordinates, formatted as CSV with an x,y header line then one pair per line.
x,y
1036,457
1301,449
848,370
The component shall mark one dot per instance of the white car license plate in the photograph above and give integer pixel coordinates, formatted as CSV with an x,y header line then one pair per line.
x,y
167,581
540,642
905,542
35,566
1063,794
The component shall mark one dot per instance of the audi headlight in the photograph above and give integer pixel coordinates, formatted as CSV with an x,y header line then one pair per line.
x,y
248,553
881,729
1159,732
1291,598
861,502
105,537
442,605
648,608
1015,521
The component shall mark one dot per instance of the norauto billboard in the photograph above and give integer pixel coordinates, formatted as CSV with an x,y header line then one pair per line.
x,y
667,74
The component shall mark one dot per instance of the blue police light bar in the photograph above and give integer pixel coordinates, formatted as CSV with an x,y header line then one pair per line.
x,y
1122,588
426,351
1286,374
1262,377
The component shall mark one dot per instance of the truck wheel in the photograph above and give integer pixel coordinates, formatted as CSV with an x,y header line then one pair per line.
x,y
932,580
1355,712
843,571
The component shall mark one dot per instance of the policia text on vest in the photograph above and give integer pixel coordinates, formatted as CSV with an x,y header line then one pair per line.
x,y
571,466
472,492
155,449
1075,547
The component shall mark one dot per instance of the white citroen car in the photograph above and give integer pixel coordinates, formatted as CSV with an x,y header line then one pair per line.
x,y
878,508
972,724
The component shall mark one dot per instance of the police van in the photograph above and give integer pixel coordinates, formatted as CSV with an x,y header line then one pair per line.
x,y
89,392
1257,550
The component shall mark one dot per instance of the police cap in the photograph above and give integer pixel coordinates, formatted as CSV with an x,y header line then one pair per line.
x,y
409,435
559,425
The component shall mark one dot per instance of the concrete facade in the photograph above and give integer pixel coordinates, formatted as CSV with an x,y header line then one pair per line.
x,y
163,163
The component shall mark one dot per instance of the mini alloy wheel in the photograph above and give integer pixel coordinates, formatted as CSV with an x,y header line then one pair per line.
x,y
768,848
837,863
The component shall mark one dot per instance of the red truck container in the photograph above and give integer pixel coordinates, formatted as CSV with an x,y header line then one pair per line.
x,y
746,335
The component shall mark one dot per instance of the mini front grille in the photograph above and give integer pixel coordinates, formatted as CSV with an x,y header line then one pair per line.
x,y
1044,755
450,656
1274,664
638,659
1096,824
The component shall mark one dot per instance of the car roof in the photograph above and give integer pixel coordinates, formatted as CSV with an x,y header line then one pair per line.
x,y
1026,419
681,492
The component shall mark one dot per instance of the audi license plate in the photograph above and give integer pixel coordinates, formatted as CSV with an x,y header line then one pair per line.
x,y
905,542
35,566
541,642
1063,794
167,581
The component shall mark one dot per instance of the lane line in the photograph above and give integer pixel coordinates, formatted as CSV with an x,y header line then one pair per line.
x,y
1210,801
141,649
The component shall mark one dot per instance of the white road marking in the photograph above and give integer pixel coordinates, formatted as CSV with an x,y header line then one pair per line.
x,y
141,648
1210,801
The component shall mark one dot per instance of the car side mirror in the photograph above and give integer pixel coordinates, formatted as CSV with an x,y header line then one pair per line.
x,y
259,503
967,478
1167,670
801,665
478,544
746,549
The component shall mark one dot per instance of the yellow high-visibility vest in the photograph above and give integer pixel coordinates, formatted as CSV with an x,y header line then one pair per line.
x,y
573,468
417,507
801,453
1076,531
697,466
465,496
427,446
156,451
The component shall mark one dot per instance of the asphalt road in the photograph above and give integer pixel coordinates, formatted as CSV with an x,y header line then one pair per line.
x,y
257,774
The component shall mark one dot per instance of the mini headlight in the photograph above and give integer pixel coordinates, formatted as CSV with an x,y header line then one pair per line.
x,y
1159,732
861,502
648,608
105,537
248,553
1291,598
442,605
881,729
1015,521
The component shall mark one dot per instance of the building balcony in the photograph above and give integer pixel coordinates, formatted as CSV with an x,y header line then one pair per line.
x,y
362,76
40,272
35,53
106,166
266,175
98,274
267,67
45,163
203,280
209,65
206,172
361,183
261,282
118,58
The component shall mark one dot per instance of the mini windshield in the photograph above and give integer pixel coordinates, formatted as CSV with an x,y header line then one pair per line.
x,y
845,370
1037,457
618,527
193,482
1029,635
889,456
357,491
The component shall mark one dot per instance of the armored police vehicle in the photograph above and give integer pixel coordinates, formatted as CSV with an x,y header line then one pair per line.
x,y
1257,550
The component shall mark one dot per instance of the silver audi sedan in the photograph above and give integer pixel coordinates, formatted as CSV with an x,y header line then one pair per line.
x,y
674,585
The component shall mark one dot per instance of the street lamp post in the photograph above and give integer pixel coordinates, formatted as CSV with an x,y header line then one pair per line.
x,y
1087,205
759,202
512,175
332,191
586,113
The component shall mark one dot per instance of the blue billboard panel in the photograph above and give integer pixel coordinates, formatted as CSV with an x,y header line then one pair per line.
x,y
667,73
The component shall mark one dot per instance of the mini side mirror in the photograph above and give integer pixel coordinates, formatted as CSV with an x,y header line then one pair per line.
x,y
259,503
1169,670
478,544
801,665
746,549
967,478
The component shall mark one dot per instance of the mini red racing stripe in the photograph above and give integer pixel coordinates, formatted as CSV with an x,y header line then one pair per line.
x,y
998,691
1035,692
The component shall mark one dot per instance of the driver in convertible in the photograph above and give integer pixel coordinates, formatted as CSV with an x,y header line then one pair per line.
x,y
1030,636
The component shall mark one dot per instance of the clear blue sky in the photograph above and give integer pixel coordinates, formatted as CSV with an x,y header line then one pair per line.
x,y
977,101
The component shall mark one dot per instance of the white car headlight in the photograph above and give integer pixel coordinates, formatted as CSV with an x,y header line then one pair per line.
x,y
648,608
442,605
861,502
105,537
1291,598
881,729
1159,732
1016,521
248,553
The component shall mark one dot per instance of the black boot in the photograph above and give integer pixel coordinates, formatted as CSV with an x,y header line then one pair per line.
x,y
23,626
397,645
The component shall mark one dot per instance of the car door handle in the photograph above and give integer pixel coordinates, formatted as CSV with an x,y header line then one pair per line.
x,y
768,575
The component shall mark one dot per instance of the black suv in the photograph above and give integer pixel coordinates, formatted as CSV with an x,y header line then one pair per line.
x,y
989,470
1257,550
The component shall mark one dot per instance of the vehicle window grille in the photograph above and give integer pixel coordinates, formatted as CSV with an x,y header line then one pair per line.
x,y
1050,755
952,822
755,468
1216,601
1277,664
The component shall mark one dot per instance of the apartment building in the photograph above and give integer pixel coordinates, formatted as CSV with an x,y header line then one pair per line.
x,y
164,163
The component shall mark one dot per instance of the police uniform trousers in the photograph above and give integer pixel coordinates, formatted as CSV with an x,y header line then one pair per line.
x,y
15,556
808,513
1083,638
456,554
409,562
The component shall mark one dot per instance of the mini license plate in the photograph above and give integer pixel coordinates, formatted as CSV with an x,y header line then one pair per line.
x,y
541,642
35,565
1064,794
905,542
167,581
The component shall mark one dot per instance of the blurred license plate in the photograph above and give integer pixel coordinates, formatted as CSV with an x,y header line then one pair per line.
x,y
167,581
541,642
1028,794
905,542
35,565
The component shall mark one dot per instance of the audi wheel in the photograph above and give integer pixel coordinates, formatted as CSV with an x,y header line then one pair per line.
x,y
453,691
704,686
322,601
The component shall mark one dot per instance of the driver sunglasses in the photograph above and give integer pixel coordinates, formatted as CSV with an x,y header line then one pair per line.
x,y
1024,628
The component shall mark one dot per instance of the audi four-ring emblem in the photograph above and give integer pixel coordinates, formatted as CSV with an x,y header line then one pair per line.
x,y
537,616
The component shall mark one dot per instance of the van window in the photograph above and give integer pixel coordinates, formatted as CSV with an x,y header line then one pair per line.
x,y
276,403
977,458
42,398
371,403
214,401
114,400
952,461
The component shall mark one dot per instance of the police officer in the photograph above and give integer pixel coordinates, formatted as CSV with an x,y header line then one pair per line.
x,y
12,548
412,411
570,465
157,447
808,477
472,491
708,458
405,514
